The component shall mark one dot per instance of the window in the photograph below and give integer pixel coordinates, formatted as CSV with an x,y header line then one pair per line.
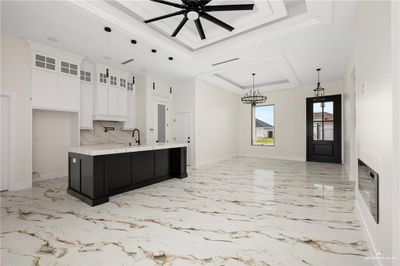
x,y
69,68
113,80
86,76
45,62
263,125
103,78
122,83
130,86
323,121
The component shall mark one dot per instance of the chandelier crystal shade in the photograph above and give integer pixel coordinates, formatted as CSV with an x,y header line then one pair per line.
x,y
254,96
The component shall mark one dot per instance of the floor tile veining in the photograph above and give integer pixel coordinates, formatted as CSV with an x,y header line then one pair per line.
x,y
242,211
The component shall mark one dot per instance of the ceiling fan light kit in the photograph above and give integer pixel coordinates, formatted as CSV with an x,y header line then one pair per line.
x,y
194,10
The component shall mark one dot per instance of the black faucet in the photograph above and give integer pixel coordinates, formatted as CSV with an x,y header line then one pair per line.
x,y
133,135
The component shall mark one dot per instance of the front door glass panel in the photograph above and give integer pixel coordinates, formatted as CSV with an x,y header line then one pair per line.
x,y
323,117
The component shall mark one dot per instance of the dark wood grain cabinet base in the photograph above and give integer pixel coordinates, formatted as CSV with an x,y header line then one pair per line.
x,y
93,179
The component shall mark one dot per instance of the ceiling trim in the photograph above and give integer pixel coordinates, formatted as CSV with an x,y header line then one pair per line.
x,y
291,80
100,10
317,14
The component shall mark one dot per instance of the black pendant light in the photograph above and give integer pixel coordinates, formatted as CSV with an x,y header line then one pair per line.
x,y
319,91
254,96
107,57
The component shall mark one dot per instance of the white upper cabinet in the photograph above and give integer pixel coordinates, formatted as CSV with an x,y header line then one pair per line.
x,y
130,123
110,94
122,98
55,80
86,114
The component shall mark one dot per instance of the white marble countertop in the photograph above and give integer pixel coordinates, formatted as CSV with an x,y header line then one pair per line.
x,y
113,148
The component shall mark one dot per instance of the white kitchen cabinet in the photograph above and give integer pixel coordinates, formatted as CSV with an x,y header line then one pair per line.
x,y
44,89
101,100
86,115
122,102
113,97
69,93
130,124
111,102
55,81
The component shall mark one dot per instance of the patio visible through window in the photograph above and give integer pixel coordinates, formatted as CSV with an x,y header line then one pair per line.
x,y
263,125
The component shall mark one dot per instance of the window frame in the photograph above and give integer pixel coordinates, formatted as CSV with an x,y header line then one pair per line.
x,y
129,86
122,83
68,66
46,56
252,121
113,82
103,76
85,76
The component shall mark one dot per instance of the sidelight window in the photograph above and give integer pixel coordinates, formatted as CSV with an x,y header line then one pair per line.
x,y
323,121
263,125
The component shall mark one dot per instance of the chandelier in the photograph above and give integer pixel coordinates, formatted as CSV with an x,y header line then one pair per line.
x,y
319,91
254,96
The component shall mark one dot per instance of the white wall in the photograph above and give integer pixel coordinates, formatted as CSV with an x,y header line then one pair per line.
x,y
216,123
374,110
349,123
290,123
183,100
16,79
396,126
53,134
141,97
146,98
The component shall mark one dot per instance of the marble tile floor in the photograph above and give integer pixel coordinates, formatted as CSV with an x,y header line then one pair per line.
x,y
241,211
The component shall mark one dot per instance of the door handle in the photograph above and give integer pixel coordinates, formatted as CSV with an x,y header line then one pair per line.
x,y
188,141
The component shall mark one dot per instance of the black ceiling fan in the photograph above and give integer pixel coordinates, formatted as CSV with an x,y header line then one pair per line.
x,y
196,9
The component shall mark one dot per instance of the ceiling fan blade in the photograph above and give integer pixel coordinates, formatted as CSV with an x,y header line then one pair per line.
x,y
200,29
229,7
165,16
168,3
184,20
217,21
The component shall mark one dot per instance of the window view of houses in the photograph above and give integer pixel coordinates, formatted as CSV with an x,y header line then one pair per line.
x,y
323,121
263,125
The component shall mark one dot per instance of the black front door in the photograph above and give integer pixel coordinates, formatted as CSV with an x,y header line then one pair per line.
x,y
324,120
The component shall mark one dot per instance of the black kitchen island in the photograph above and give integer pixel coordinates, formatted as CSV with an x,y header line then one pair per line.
x,y
96,172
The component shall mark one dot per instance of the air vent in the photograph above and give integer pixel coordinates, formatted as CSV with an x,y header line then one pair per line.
x,y
127,61
226,61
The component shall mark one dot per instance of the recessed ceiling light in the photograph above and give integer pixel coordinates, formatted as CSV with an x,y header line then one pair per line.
x,y
52,39
107,58
143,70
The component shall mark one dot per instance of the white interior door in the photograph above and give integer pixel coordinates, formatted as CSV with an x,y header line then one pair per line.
x,y
183,132
161,124
5,141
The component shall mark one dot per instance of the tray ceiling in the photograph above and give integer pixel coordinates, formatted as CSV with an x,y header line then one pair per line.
x,y
264,12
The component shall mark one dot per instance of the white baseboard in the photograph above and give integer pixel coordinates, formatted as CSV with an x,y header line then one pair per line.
x,y
20,185
371,245
50,175
274,157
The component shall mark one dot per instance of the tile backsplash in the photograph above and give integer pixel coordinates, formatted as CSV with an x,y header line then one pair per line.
x,y
98,136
